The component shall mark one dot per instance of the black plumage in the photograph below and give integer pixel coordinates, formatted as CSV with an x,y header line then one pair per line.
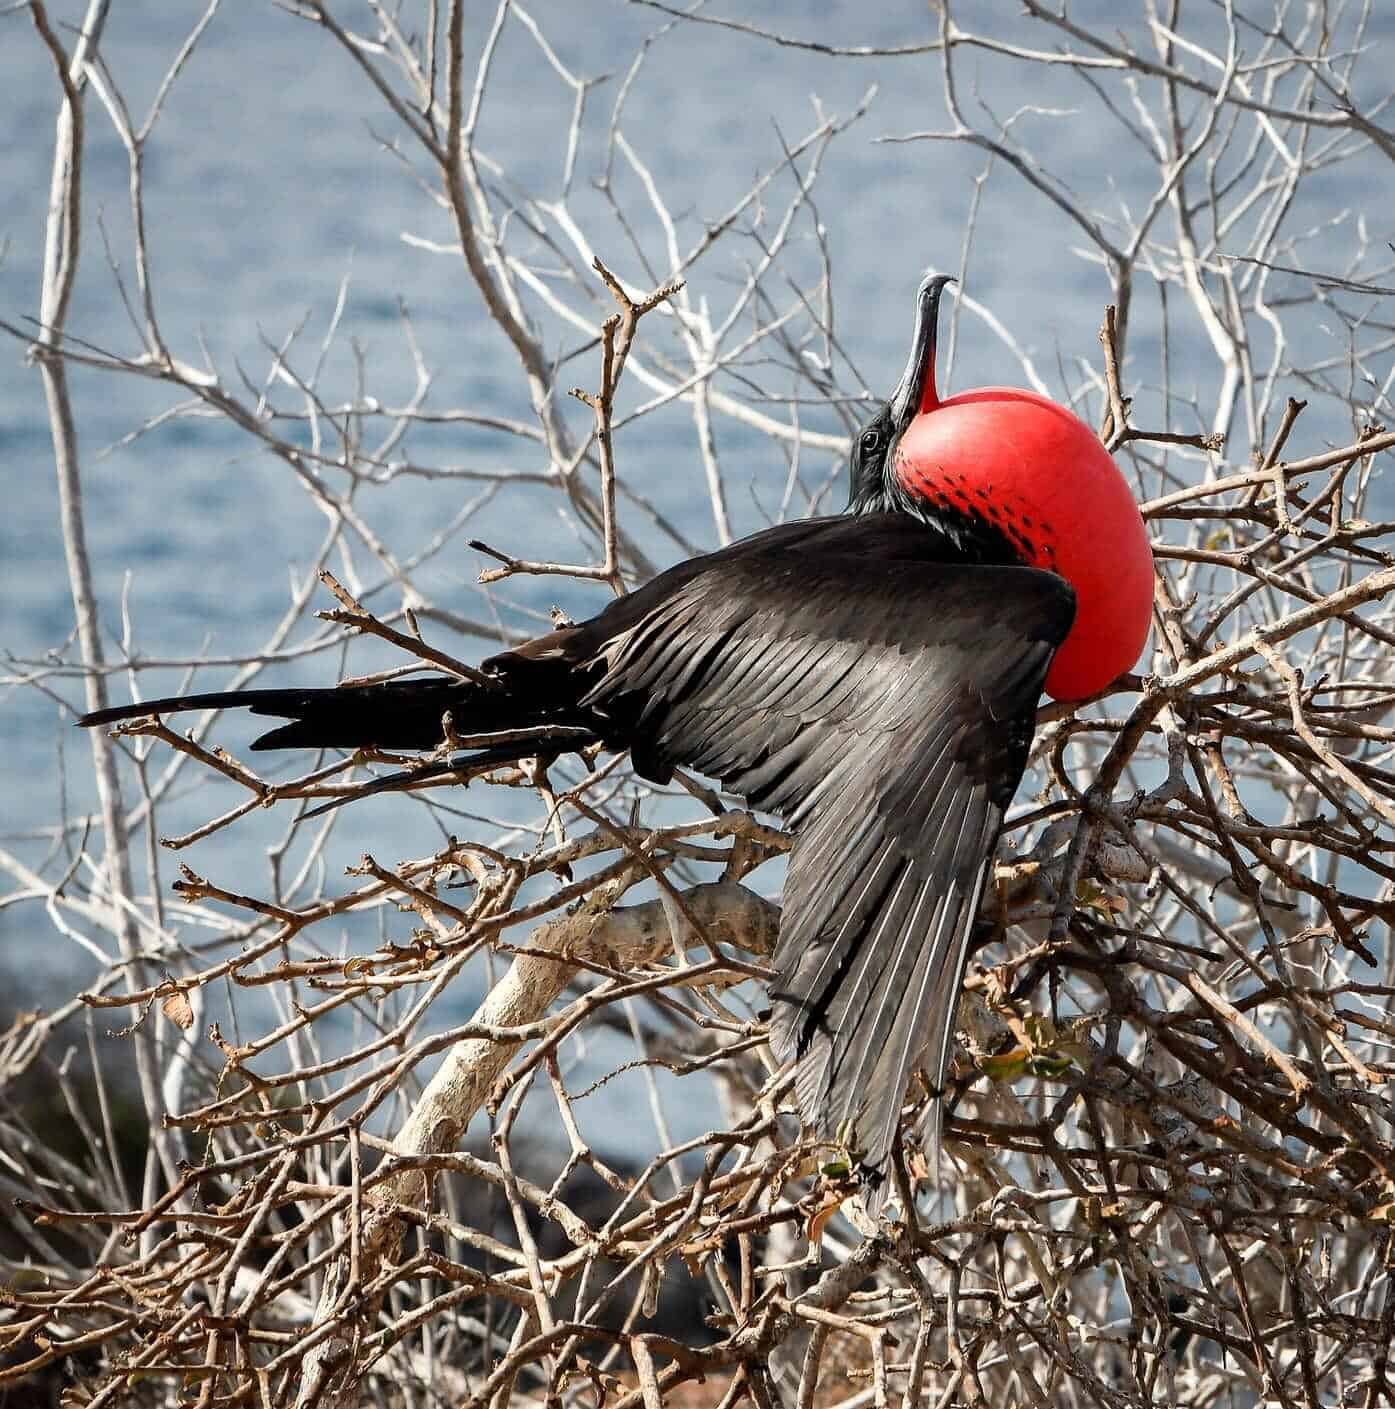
x,y
870,677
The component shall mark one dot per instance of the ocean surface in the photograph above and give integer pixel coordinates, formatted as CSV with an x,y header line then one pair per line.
x,y
278,182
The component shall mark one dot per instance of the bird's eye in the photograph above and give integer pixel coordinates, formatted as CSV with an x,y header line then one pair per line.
x,y
871,440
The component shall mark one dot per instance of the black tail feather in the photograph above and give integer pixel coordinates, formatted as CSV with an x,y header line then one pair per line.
x,y
171,704
396,714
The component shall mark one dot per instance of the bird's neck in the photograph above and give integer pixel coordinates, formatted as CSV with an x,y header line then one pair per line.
x,y
967,538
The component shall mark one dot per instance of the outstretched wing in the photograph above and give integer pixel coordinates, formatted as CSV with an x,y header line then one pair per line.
x,y
853,677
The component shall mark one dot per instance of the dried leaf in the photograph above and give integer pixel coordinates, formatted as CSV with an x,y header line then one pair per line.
x,y
1091,896
177,1008
1005,1066
1040,1032
818,1220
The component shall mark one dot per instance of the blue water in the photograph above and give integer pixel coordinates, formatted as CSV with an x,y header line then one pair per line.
x,y
266,187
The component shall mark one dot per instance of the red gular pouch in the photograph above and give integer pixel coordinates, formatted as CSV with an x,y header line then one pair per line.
x,y
1041,476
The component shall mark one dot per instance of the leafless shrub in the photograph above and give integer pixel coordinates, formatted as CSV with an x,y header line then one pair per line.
x,y
1171,1173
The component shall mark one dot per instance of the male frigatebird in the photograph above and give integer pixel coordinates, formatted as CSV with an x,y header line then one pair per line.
x,y
872,677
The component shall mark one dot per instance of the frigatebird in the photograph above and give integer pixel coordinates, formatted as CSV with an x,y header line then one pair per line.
x,y
872,677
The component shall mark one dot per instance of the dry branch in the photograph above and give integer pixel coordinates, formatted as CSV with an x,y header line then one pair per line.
x,y
1170,1169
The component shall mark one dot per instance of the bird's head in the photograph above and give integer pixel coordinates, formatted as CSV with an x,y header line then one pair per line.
x,y
873,486
1026,472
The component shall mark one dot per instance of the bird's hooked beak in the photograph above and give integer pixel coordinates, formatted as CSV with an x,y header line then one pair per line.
x,y
915,392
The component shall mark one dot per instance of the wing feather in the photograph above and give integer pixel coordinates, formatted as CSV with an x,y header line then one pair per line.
x,y
855,677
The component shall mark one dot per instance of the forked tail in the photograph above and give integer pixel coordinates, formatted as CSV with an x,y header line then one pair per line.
x,y
396,714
